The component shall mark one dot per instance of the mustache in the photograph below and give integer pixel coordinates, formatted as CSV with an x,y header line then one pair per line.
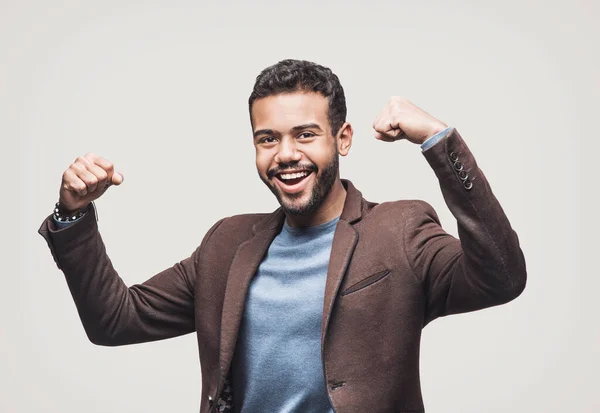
x,y
284,167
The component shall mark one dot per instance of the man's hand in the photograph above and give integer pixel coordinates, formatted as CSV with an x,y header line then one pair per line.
x,y
86,180
400,119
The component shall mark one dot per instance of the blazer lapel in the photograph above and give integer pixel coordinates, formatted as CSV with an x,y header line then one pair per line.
x,y
344,243
243,267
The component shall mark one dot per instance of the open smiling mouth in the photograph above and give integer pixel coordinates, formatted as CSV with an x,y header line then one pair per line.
x,y
292,180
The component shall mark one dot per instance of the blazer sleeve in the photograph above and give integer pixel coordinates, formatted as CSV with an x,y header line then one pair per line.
x,y
485,266
113,314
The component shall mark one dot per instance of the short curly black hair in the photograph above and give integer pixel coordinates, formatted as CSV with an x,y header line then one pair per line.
x,y
288,76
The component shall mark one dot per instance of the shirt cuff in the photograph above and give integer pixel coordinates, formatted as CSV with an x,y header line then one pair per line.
x,y
432,140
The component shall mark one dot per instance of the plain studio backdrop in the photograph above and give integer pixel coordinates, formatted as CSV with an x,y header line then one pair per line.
x,y
161,88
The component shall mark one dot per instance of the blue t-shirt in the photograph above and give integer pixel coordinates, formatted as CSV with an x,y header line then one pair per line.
x,y
277,364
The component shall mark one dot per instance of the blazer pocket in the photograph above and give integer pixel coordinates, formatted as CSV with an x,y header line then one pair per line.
x,y
371,279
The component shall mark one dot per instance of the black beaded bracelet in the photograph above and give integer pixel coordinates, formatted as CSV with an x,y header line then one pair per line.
x,y
69,218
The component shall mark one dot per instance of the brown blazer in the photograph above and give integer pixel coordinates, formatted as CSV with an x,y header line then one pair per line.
x,y
393,269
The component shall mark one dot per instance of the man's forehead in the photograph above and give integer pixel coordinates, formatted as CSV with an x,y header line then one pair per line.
x,y
287,110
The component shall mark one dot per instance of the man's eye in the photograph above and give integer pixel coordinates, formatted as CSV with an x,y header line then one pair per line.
x,y
267,139
306,135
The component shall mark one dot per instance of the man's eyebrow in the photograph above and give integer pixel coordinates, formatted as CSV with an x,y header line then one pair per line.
x,y
306,126
293,130
264,132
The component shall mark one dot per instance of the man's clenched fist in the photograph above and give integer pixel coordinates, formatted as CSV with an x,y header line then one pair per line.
x,y
401,119
86,180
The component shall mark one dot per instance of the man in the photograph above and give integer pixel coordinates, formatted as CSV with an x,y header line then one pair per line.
x,y
319,305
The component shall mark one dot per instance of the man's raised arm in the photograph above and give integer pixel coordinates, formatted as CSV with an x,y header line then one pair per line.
x,y
113,314
486,266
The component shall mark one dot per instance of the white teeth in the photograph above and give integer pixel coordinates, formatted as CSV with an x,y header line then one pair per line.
x,y
294,175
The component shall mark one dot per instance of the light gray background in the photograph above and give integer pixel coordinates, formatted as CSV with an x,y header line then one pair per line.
x,y
161,88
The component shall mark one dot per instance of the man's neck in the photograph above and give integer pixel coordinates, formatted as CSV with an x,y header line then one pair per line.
x,y
330,208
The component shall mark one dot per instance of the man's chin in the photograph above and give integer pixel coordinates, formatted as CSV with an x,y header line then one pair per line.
x,y
296,204
300,203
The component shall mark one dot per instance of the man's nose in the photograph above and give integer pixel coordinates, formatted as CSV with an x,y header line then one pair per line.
x,y
288,151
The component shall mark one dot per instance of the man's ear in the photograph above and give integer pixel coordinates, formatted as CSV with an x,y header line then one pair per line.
x,y
344,139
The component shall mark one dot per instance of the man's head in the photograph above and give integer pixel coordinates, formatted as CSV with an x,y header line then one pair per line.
x,y
298,116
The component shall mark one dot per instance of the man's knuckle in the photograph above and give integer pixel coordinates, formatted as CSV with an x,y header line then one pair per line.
x,y
108,165
78,186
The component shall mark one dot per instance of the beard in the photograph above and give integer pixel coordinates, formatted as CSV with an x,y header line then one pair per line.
x,y
320,189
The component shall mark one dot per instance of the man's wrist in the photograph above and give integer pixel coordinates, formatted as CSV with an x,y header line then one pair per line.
x,y
434,130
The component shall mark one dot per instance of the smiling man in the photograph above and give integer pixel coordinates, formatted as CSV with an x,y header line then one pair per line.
x,y
319,305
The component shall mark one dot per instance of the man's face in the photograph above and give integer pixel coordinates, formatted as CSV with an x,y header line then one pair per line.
x,y
296,154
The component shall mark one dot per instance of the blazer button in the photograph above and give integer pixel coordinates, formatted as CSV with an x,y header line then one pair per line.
x,y
210,401
458,166
463,175
453,156
468,184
